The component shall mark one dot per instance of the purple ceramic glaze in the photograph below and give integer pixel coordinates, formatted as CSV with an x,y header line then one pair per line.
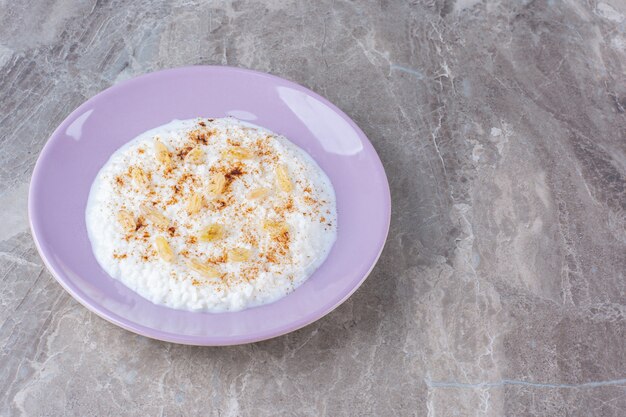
x,y
84,141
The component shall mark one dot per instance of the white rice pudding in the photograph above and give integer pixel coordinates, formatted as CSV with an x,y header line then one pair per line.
x,y
211,214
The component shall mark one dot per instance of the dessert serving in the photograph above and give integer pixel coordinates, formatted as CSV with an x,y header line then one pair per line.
x,y
212,215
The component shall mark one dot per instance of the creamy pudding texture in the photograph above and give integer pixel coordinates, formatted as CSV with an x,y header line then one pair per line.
x,y
211,214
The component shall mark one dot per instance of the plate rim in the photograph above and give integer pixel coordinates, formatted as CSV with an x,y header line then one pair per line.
x,y
170,337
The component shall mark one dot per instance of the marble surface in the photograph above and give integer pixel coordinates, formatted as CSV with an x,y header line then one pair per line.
x,y
502,288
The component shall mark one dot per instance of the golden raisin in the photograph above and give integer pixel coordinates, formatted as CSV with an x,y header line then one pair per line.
x,y
258,193
239,255
212,232
163,155
139,176
195,203
282,178
203,268
164,249
126,220
237,152
195,156
275,228
217,183
153,215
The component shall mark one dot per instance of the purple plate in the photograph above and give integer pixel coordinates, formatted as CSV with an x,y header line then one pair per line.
x,y
84,141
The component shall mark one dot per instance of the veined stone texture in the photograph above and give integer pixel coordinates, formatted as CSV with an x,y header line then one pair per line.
x,y
502,288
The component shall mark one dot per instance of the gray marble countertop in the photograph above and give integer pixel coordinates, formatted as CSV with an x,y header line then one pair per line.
x,y
502,288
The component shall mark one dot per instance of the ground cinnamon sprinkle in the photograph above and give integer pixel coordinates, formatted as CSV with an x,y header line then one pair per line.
x,y
250,274
262,149
247,171
271,256
200,137
182,152
286,207
218,259
309,200
250,239
234,172
283,239
189,179
232,142
219,203
172,200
